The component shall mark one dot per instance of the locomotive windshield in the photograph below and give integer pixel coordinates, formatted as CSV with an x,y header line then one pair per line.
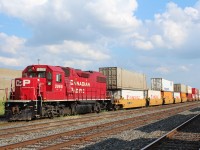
x,y
35,74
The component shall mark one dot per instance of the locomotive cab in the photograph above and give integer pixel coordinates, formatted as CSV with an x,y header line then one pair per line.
x,y
37,84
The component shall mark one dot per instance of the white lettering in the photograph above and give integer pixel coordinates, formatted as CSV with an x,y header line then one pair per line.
x,y
41,69
72,82
18,83
58,86
78,90
26,82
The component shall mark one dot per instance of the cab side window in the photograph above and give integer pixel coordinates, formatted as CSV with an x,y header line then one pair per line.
x,y
49,76
58,78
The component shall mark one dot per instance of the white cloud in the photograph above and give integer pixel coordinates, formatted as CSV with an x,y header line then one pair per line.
x,y
157,40
175,29
162,70
78,49
10,44
58,20
115,14
76,63
184,68
10,61
146,45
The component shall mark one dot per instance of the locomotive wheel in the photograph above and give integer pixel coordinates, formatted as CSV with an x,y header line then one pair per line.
x,y
97,108
51,115
61,112
73,109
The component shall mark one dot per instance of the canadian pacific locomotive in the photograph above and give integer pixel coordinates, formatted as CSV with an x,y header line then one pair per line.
x,y
48,91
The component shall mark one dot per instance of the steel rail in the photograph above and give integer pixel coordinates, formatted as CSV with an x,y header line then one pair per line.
x,y
169,134
52,137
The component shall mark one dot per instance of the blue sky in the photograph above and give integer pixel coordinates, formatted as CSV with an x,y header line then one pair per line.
x,y
147,9
157,38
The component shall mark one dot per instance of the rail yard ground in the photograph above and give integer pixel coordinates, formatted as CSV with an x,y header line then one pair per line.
x,y
124,129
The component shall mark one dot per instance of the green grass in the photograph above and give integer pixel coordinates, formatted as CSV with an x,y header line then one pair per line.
x,y
1,107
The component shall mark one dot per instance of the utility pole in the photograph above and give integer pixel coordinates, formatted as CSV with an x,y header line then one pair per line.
x,y
38,61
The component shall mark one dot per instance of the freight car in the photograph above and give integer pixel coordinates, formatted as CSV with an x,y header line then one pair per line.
x,y
48,91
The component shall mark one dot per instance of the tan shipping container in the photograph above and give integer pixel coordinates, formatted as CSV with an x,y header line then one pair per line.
x,y
180,88
118,78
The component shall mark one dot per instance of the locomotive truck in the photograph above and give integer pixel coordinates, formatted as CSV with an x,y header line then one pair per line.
x,y
48,91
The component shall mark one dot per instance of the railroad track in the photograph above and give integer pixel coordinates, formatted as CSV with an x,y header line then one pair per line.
x,y
25,129
186,136
5,123
83,135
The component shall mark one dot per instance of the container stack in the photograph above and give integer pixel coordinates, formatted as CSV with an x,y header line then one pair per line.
x,y
195,94
126,85
189,93
118,78
166,87
180,89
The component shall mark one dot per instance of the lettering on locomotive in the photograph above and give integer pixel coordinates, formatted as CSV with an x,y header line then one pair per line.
x,y
72,82
24,82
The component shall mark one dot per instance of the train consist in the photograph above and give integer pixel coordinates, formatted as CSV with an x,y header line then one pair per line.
x,y
48,91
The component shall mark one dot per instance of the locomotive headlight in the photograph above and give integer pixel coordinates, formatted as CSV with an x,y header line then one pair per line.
x,y
49,82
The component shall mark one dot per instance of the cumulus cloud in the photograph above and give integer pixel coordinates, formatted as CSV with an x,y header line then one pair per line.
x,y
84,33
10,61
146,45
10,44
76,63
77,49
162,70
59,20
184,68
175,29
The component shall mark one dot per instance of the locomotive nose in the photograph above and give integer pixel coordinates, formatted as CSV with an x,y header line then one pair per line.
x,y
25,88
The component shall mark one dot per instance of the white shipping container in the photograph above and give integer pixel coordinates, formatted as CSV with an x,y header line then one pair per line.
x,y
189,90
129,94
177,95
180,88
161,84
154,94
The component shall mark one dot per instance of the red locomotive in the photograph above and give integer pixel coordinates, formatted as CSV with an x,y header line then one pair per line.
x,y
48,91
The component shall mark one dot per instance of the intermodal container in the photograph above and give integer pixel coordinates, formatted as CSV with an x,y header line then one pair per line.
x,y
154,94
180,88
177,97
183,97
189,97
189,90
161,84
194,97
167,97
195,91
154,97
129,94
118,78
